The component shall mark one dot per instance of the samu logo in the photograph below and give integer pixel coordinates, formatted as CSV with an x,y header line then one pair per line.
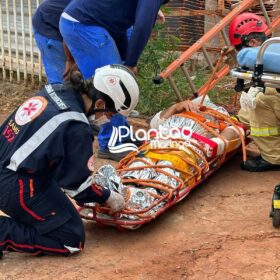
x,y
122,133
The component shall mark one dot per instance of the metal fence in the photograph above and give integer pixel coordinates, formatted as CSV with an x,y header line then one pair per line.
x,y
191,19
20,59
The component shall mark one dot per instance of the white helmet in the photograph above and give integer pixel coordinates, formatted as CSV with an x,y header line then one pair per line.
x,y
120,84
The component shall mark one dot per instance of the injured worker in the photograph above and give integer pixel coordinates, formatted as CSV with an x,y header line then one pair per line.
x,y
260,108
229,133
187,143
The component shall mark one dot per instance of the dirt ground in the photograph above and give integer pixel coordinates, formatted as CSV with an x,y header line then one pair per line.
x,y
220,231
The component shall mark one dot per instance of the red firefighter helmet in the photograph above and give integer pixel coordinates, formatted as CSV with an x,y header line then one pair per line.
x,y
244,24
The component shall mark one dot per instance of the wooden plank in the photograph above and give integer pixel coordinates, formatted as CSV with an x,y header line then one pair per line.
x,y
31,40
2,43
28,65
23,40
16,40
9,39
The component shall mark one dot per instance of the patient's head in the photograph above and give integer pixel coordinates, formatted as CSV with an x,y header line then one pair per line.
x,y
247,30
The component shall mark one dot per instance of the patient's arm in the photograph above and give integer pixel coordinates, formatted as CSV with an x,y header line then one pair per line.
x,y
230,133
184,106
230,140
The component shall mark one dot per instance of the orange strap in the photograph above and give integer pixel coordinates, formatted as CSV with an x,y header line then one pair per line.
x,y
220,126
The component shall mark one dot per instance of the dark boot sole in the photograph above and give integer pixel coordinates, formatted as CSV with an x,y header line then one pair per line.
x,y
109,156
273,168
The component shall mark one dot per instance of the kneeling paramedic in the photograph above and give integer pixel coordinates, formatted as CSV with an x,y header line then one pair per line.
x,y
46,146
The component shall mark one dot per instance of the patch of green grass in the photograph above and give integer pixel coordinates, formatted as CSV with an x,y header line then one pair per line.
x,y
158,54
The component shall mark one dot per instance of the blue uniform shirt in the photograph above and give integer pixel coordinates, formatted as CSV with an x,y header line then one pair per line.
x,y
116,16
46,18
49,137
271,58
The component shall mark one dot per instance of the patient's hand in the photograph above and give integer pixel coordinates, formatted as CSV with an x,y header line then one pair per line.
x,y
183,106
186,105
160,17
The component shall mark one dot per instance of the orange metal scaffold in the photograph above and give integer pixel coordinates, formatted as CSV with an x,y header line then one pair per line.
x,y
221,69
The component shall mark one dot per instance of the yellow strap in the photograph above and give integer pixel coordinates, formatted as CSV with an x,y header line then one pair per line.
x,y
175,160
265,131
234,118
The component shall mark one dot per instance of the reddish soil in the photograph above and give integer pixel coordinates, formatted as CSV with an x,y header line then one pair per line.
x,y
220,231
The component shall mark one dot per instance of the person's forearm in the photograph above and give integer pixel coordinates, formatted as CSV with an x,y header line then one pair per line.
x,y
160,117
70,62
136,45
168,112
146,13
67,52
93,193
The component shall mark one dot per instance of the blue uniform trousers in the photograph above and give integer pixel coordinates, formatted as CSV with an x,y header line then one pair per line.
x,y
91,46
42,220
53,57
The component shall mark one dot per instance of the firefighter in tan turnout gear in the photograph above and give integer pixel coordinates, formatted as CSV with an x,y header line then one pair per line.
x,y
260,108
